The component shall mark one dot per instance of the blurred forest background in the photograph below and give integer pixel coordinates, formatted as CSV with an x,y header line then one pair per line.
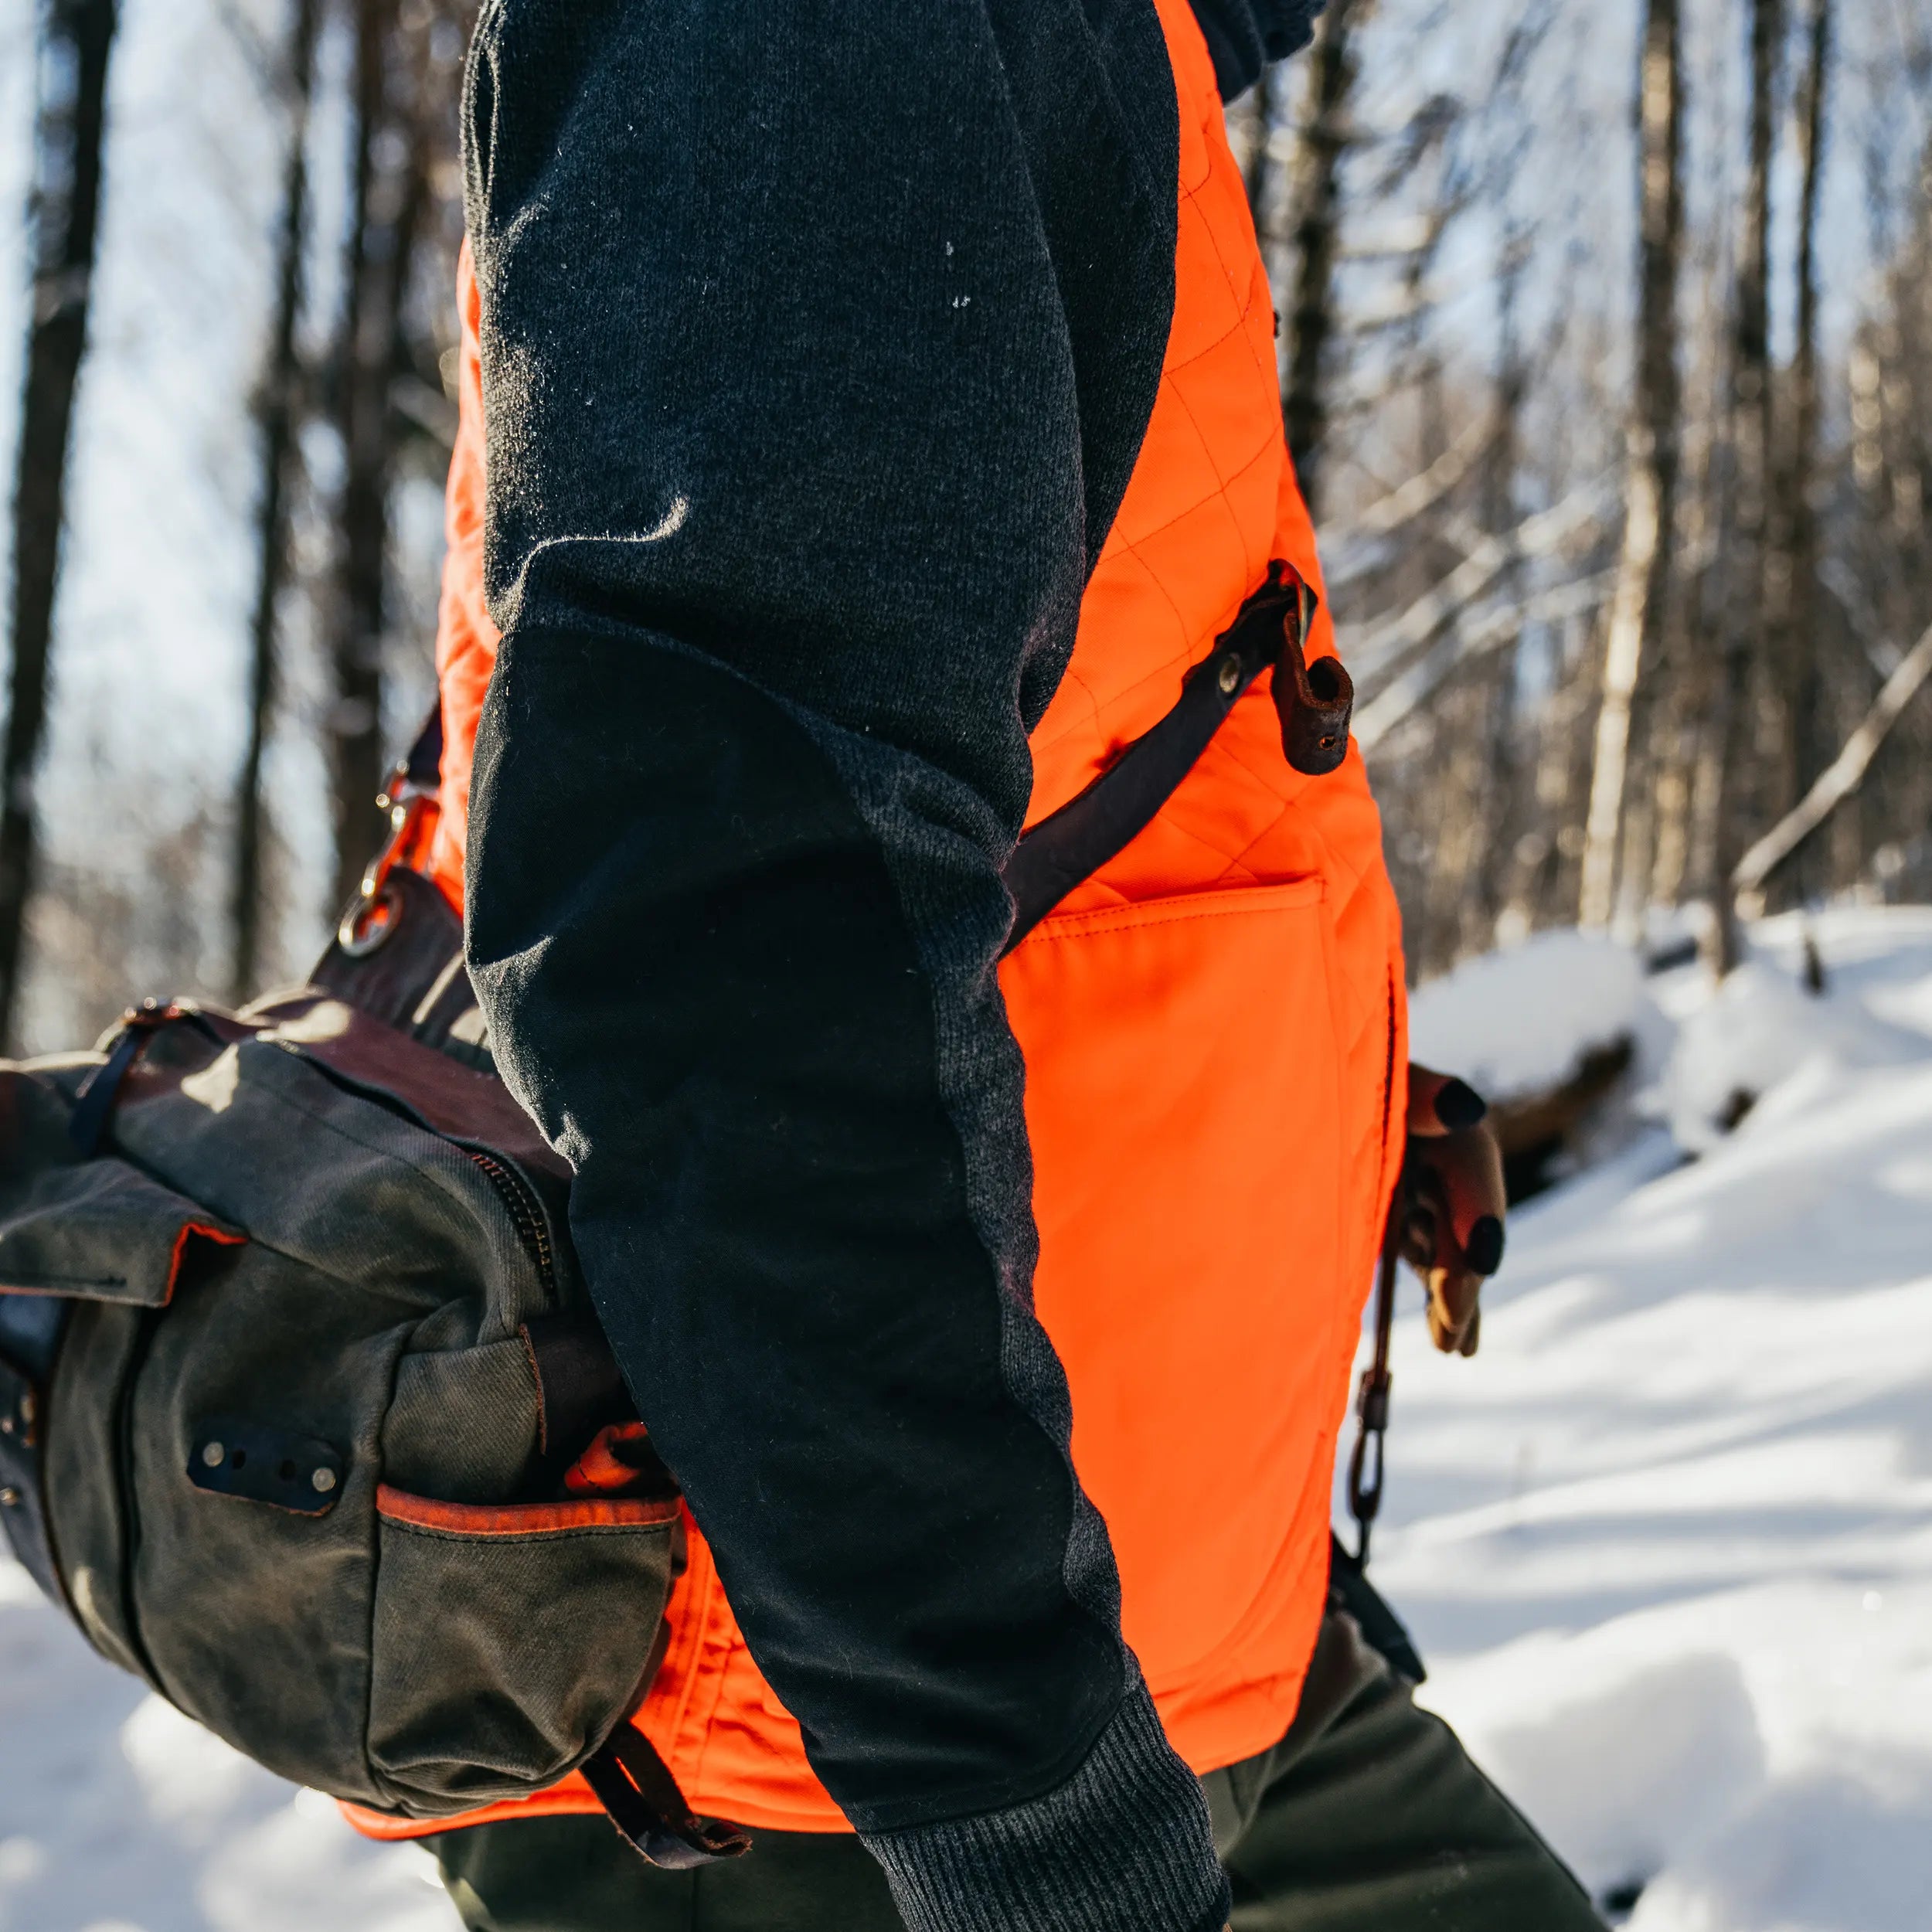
x,y
1607,358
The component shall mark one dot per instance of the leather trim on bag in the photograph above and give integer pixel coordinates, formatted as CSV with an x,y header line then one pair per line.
x,y
522,1519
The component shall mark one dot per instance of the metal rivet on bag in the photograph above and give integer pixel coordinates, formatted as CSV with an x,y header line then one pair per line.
x,y
1229,675
213,1455
9,1498
323,1480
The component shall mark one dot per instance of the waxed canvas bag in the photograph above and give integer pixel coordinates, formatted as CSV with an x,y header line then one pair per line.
x,y
298,1379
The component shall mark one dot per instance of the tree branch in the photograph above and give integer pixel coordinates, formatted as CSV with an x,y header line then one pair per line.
x,y
1843,777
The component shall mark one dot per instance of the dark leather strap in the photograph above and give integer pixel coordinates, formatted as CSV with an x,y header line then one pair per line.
x,y
1382,1629
1314,703
423,767
634,1785
94,1105
580,1387
1372,1400
400,980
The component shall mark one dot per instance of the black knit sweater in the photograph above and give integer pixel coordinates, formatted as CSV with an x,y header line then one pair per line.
x,y
818,343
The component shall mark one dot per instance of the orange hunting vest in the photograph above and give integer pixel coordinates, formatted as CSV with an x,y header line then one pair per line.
x,y
1213,1028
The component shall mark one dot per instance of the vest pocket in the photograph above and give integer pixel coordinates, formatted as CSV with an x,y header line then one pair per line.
x,y
1184,1106
508,1640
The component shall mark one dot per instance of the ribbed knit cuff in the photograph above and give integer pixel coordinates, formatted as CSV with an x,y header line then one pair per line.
x,y
1124,1845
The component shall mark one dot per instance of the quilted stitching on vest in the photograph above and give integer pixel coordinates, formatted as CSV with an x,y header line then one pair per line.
x,y
1212,500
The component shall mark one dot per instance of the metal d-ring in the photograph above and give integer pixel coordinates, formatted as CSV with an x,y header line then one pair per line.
x,y
376,911
369,925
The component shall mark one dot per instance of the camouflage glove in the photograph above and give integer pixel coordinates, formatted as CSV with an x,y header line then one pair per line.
x,y
1449,1225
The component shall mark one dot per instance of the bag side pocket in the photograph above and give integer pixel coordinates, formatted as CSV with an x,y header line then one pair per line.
x,y
508,1640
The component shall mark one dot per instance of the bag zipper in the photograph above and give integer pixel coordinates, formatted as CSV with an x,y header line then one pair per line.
x,y
525,1212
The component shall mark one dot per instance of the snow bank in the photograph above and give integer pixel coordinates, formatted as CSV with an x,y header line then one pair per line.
x,y
1514,1022
1756,1761
1667,1543
1620,1749
1762,1034
118,1815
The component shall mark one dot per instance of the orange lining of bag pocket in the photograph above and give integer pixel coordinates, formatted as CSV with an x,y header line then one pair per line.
x,y
221,1236
519,1519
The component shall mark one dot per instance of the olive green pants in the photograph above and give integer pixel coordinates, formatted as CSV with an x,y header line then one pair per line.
x,y
1368,1817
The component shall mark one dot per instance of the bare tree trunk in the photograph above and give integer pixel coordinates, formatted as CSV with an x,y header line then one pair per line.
x,y
1562,786
1795,613
63,216
1672,760
276,411
1751,400
1486,893
1325,140
1644,571
387,195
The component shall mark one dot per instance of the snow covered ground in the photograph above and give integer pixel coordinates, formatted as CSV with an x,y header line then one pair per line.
x,y
1667,1541
118,1815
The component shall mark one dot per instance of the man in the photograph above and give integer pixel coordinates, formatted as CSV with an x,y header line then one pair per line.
x,y
879,414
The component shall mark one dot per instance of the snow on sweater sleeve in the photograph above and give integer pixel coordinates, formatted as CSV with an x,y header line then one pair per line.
x,y
817,344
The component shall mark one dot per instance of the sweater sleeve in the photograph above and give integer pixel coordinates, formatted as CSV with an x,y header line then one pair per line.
x,y
817,343
1243,35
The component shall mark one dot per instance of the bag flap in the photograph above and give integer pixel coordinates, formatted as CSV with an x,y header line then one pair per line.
x,y
457,1101
100,1228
